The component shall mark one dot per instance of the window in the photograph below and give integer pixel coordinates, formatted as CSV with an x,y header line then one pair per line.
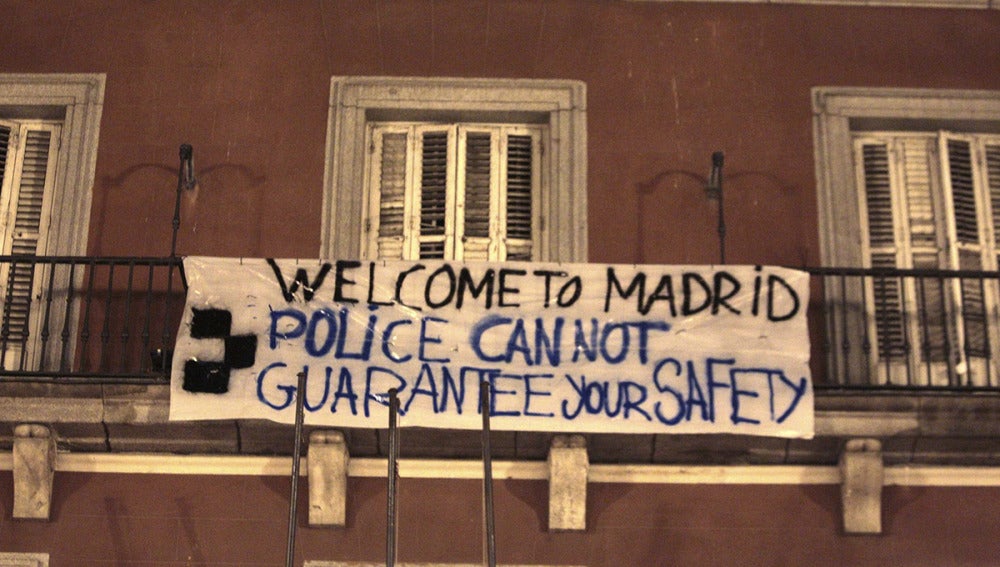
x,y
28,156
458,192
48,150
456,168
932,200
911,179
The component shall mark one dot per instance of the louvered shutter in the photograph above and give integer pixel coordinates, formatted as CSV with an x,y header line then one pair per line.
x,y
992,152
463,192
885,224
30,159
498,192
966,231
478,199
435,194
521,186
388,206
927,318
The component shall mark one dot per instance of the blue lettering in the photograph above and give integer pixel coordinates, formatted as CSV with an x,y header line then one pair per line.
x,y
431,391
426,339
580,345
529,392
518,342
388,341
326,390
297,317
288,390
345,390
578,388
380,398
477,332
331,332
548,344
661,388
366,346
457,390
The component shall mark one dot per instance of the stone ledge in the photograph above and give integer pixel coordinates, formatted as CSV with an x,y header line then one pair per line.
x,y
929,429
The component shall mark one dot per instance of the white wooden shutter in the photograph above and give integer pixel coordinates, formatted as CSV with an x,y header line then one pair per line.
x,y
434,234
25,203
478,200
965,250
883,216
388,208
991,150
521,186
498,192
461,191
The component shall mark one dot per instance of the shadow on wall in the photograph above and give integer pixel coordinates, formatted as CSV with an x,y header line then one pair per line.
x,y
212,175
697,181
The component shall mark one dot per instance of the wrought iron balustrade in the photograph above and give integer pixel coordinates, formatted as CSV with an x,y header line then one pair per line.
x,y
910,329
90,319
103,319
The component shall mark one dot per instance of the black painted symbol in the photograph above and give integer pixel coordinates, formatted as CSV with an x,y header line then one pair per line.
x,y
212,376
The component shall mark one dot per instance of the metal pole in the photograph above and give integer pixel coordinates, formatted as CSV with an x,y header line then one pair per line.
x,y
300,397
185,169
393,481
489,529
716,177
184,181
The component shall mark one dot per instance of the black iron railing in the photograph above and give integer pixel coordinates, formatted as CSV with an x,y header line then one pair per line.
x,y
100,319
87,319
912,329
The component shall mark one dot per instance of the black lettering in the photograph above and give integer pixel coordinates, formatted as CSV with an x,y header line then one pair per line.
x,y
465,283
504,289
301,278
340,282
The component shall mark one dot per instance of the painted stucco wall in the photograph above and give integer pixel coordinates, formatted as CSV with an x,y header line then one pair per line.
x,y
247,83
141,520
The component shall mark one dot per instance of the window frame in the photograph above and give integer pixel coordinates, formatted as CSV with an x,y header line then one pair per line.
x,y
458,244
838,113
834,108
355,101
75,100
81,98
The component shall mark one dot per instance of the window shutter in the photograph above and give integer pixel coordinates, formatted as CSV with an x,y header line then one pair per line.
x,y
962,191
522,150
435,194
5,136
388,217
479,198
461,191
967,236
29,162
883,216
992,151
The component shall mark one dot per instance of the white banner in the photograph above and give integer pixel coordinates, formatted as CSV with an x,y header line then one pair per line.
x,y
573,348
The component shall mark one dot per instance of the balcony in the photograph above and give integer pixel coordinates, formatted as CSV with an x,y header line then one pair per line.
x,y
907,356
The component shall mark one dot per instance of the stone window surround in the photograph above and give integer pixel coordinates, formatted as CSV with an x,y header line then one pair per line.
x,y
24,560
80,97
834,110
356,100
